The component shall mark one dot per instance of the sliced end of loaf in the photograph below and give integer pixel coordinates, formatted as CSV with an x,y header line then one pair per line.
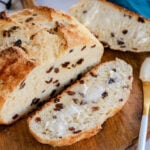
x,y
79,111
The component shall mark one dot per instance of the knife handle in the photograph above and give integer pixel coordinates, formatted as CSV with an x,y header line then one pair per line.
x,y
143,133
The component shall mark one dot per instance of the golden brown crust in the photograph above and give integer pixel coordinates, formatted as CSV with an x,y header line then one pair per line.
x,y
15,66
65,141
70,31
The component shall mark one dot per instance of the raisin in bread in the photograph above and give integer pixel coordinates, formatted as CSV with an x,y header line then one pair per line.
x,y
41,51
80,110
116,27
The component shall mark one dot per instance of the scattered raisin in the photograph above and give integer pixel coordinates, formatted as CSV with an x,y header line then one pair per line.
x,y
22,85
56,70
58,107
14,28
41,103
93,46
125,31
129,16
58,84
56,81
56,100
104,94
84,11
134,49
32,36
111,80
81,81
141,19
54,117
55,29
71,81
43,91
15,116
96,36
53,93
120,100
65,64
95,108
37,119
35,101
49,70
93,75
114,70
112,34
120,42
71,51
6,33
78,131
18,43
73,65
49,81
129,77
83,48
80,61
75,100
28,19
70,92
105,44
71,128
79,76
83,102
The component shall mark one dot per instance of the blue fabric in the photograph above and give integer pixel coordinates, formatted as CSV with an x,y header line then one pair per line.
x,y
141,7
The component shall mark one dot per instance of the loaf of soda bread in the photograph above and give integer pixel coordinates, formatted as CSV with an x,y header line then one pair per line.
x,y
41,51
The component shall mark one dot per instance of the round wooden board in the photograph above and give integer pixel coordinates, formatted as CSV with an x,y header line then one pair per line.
x,y
118,133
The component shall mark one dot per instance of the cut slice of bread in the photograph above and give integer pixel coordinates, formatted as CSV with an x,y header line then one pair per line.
x,y
80,110
41,51
115,26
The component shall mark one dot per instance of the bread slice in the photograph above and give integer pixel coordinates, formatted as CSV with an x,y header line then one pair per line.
x,y
41,51
115,26
80,110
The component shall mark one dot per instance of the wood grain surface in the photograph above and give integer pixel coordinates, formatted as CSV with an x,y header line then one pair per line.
x,y
119,132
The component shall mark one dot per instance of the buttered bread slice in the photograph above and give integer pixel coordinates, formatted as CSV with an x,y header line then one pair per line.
x,y
115,26
41,51
80,110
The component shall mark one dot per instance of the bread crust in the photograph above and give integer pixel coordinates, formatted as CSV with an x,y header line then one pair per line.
x,y
66,141
15,66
